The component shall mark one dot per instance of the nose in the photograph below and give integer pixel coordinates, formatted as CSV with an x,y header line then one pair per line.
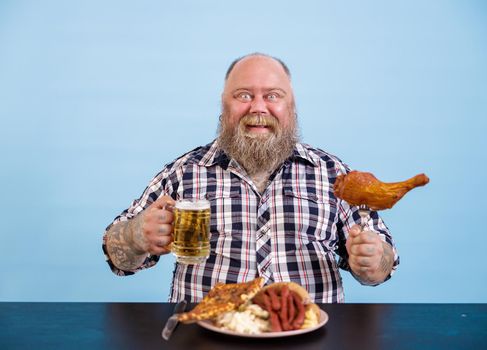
x,y
258,105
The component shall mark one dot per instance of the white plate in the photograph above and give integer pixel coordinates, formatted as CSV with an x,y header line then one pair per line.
x,y
209,325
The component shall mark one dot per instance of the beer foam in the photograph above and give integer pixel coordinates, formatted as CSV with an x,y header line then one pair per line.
x,y
188,204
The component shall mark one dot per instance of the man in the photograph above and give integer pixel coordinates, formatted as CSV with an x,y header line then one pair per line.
x,y
274,213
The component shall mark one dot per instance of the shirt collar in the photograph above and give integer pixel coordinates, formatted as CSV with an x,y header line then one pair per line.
x,y
300,152
214,156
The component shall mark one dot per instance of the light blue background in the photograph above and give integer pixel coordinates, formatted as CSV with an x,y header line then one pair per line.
x,y
96,96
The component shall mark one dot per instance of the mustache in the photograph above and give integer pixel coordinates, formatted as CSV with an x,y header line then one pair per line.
x,y
260,120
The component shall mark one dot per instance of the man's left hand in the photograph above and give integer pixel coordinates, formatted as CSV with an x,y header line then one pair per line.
x,y
369,257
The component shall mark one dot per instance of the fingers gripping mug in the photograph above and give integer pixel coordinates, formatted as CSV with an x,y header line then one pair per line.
x,y
191,244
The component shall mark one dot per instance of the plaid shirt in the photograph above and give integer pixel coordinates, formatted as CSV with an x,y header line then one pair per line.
x,y
293,231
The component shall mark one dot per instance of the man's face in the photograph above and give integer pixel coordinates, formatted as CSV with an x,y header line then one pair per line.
x,y
258,126
258,86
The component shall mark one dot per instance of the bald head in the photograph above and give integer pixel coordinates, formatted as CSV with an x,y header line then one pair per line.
x,y
283,65
258,73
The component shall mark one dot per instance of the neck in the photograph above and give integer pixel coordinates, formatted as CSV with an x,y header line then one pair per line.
x,y
260,179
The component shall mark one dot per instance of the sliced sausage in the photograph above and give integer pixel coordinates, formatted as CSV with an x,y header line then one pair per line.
x,y
275,300
299,319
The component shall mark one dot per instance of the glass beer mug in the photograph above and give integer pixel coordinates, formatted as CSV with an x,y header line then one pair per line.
x,y
191,244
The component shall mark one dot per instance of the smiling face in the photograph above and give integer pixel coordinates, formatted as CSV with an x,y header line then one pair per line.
x,y
258,85
258,126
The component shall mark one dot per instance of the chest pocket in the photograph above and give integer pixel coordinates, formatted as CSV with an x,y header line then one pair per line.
x,y
226,229
223,191
309,214
226,211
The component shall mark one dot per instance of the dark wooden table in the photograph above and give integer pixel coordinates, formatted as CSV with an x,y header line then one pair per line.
x,y
138,326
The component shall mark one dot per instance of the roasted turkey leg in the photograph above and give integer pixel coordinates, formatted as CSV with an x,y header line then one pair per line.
x,y
358,188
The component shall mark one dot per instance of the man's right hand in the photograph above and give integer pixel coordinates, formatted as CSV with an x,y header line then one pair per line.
x,y
155,229
128,242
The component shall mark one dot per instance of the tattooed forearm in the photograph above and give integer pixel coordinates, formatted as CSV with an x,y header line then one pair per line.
x,y
126,244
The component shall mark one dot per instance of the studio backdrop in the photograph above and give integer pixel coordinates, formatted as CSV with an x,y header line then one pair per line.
x,y
97,96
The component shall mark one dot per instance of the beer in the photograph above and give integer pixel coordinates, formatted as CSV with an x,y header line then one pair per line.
x,y
191,244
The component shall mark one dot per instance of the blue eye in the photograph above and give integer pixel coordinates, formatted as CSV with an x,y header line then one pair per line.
x,y
244,96
272,97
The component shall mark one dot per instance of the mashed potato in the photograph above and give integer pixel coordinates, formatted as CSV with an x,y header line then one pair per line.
x,y
252,319
311,319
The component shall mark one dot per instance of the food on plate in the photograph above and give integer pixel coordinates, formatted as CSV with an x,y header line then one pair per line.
x,y
289,306
249,308
250,319
362,188
222,298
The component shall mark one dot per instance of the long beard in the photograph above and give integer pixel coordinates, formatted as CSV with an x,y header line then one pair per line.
x,y
258,153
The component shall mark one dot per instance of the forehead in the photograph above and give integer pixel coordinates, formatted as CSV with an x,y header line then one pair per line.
x,y
258,72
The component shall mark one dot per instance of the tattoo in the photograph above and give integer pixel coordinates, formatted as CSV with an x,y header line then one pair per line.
x,y
134,234
385,265
365,279
125,244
